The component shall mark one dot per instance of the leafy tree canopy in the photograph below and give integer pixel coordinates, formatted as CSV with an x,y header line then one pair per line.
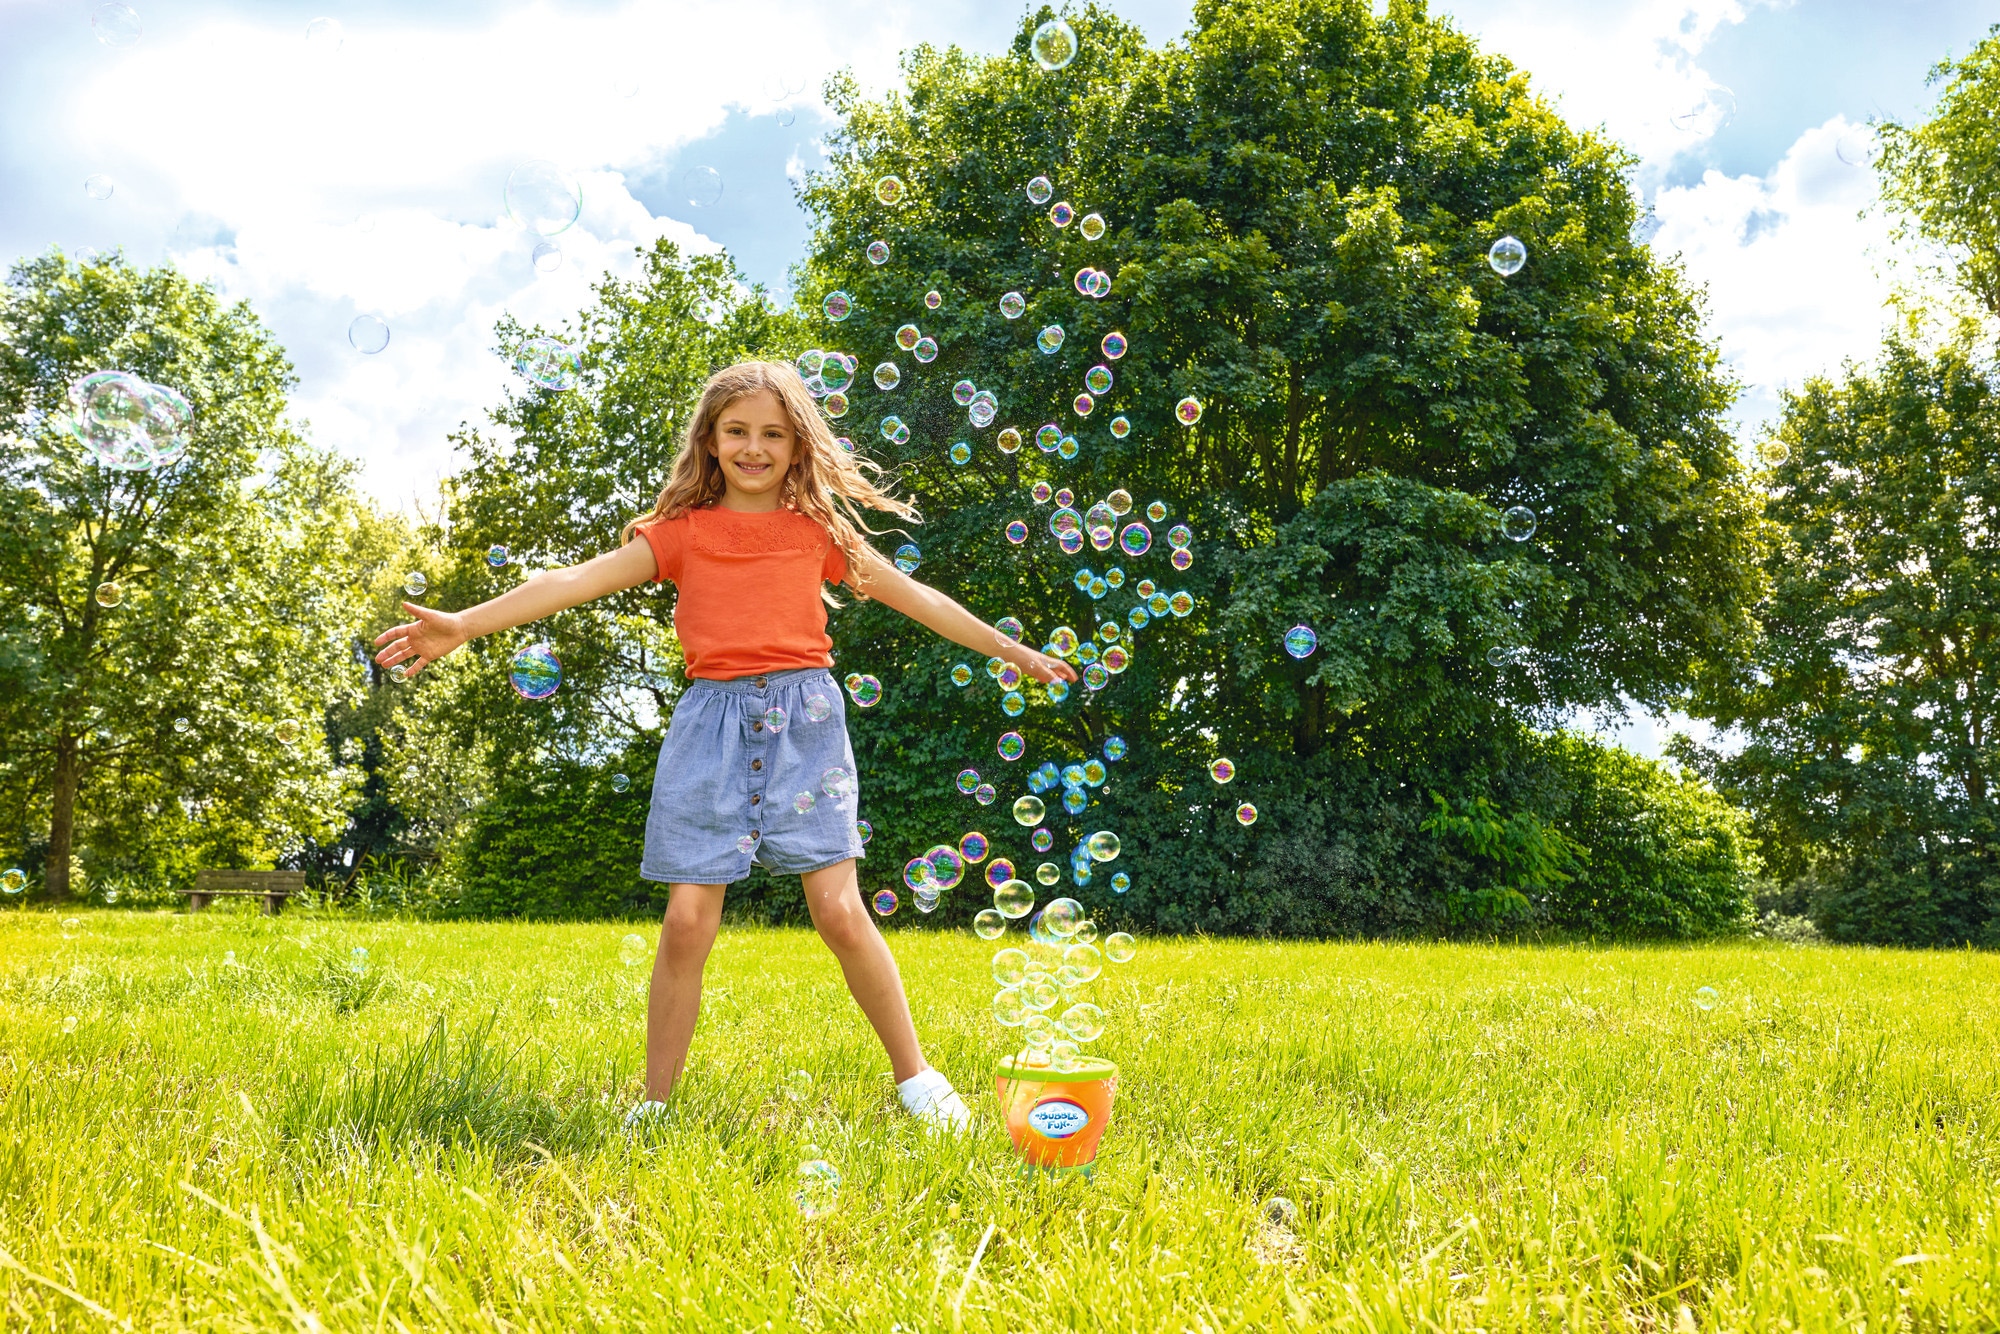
x,y
1939,174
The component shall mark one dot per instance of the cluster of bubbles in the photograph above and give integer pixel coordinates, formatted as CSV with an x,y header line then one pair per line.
x,y
127,423
1044,983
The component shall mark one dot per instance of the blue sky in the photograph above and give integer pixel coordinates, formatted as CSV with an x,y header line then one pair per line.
x,y
321,181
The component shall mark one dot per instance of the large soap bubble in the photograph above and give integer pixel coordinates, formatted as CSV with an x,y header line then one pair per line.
x,y
542,197
368,334
535,672
1507,255
128,424
1054,45
549,362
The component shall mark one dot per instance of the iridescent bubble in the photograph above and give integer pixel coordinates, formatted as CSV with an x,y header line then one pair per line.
x,y
835,404
546,257
926,899
983,410
961,453
535,672
1181,603
1048,873
895,430
1082,405
1029,810
1119,947
543,198
878,253
1115,748
1300,641
549,363
1050,339
973,847
838,306
1043,840
1009,440
1082,962
1060,917
1159,604
988,924
1012,704
985,794
1103,846
1092,226
884,903
1099,521
1507,255
1071,543
775,719
803,802
1518,523
1120,883
1040,191
967,780
1057,691
1097,379
962,392
1246,814
865,691
1084,281
999,871
109,593
1060,214
908,558
1181,558
907,336
889,190
1014,898
1063,641
933,299
1017,532
864,831
1010,627
1179,535
837,371
496,555
1706,998
1009,677
1188,411
1010,966
1064,521
1064,498
1222,770
1012,304
961,675
1083,1021
947,866
1048,437
818,708
287,731
1138,618
819,1188
1136,540
368,334
926,349
887,376
1011,746
1094,772
1009,1007
1280,1212
1054,45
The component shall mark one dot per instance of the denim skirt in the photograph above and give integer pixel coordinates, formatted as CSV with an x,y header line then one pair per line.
x,y
758,769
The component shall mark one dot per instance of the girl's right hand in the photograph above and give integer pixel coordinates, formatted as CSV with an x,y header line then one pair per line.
x,y
1039,665
421,642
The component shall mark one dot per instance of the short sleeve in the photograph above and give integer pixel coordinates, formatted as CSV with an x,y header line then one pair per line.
x,y
834,568
664,536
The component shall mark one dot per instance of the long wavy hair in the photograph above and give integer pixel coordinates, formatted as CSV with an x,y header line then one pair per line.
x,y
826,483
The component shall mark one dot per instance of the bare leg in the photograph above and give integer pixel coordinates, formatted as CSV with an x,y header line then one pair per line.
x,y
694,913
834,896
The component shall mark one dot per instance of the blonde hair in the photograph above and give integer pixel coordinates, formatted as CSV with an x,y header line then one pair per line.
x,y
825,483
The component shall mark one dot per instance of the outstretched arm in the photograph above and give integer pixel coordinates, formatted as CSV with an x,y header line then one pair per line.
x,y
436,633
880,580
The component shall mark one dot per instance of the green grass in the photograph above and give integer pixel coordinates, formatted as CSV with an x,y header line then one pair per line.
x,y
1498,1138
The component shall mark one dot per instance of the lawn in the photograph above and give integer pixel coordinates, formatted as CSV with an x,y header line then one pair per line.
x,y
218,1121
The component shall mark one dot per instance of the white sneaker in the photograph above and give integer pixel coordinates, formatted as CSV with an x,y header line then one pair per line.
x,y
929,1097
645,1114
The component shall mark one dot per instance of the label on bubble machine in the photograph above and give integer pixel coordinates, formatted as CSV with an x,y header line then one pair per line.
x,y
1058,1120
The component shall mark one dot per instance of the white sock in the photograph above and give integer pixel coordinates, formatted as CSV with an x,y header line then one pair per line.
x,y
929,1096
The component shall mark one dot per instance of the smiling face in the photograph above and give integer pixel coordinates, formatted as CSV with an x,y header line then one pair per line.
x,y
756,446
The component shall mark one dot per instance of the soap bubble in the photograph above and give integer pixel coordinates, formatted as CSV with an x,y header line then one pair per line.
x,y
632,951
1222,770
947,866
967,780
1040,191
1083,1021
549,363
818,708
1040,993
775,718
926,349
368,334
701,186
838,306
878,253
961,453
1094,772
1009,1007
1103,845
1013,898
1181,558
961,675
116,25
962,392
889,190
110,593
1012,747
1059,919
535,672
908,558
933,299
1246,814
887,376
1136,540
1281,1212
1300,641
803,802
819,1188
1043,840
895,430
287,731
1010,966
546,257
864,831
973,847
884,902
1120,883
1507,255
1060,214
1012,704
865,691
1092,226
1705,998
1050,339
1017,532
836,372
1082,405
1119,947
1012,304
989,924
1082,962
543,198
1054,45
1181,603
1009,440
907,336
1518,523
98,186
496,555
1097,379
1084,281
13,880
1029,810
1048,873
1113,346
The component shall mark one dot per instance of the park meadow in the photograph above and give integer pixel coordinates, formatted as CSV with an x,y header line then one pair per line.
x,y
229,1121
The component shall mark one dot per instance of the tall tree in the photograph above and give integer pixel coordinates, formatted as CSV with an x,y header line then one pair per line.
x,y
1299,202
1872,706
187,720
1938,174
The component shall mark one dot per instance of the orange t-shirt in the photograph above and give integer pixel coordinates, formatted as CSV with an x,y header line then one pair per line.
x,y
749,589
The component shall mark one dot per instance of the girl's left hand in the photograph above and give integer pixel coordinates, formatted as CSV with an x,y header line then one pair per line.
x,y
1039,665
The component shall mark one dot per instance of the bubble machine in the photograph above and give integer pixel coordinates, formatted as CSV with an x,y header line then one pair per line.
x,y
1056,1117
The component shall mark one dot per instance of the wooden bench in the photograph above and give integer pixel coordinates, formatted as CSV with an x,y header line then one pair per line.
x,y
274,887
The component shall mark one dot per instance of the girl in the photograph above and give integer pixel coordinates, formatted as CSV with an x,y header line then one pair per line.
x,y
760,512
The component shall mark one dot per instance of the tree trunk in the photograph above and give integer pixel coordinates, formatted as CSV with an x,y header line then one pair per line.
x,y
62,818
